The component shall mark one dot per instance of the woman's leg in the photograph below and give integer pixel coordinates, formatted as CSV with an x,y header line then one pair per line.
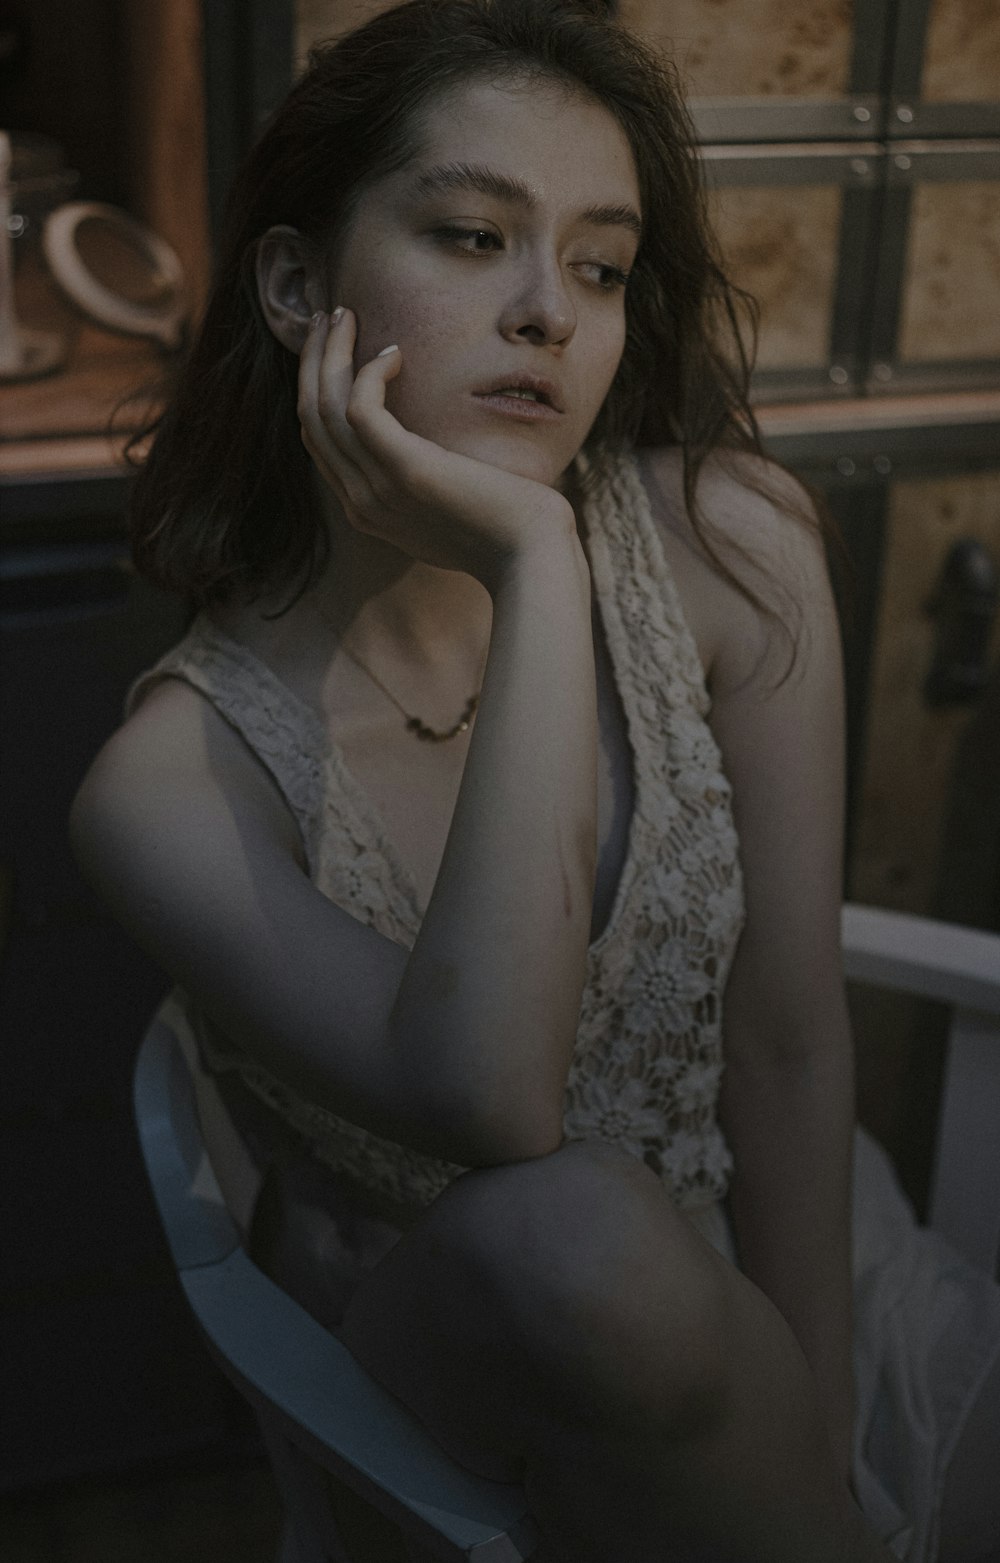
x,y
559,1323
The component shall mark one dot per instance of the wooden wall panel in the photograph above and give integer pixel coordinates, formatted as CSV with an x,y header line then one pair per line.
x,y
951,300
962,56
910,751
781,244
923,767
166,128
751,48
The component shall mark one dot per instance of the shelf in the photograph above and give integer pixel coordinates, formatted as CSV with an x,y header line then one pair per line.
x,y
80,400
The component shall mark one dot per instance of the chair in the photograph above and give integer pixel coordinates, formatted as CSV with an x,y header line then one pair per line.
x,y
322,1416
960,968
318,1411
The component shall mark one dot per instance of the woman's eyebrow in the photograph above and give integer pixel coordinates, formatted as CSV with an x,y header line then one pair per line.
x,y
504,187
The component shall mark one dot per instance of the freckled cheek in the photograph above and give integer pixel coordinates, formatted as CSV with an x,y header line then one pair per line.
x,y
394,304
433,350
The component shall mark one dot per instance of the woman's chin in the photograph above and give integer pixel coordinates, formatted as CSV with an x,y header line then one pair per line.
x,y
521,456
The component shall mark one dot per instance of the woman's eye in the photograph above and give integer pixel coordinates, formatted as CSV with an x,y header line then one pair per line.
x,y
467,239
481,241
610,277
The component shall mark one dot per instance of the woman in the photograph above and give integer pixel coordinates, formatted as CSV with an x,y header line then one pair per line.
x,y
433,815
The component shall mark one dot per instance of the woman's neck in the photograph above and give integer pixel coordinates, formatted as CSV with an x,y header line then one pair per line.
x,y
392,607
395,608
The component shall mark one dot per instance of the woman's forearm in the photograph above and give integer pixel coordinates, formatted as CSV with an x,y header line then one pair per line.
x,y
489,1002
790,1128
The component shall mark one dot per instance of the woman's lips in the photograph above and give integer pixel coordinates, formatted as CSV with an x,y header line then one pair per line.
x,y
518,407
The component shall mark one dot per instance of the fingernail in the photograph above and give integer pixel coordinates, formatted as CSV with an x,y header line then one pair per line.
x,y
338,312
315,320
387,350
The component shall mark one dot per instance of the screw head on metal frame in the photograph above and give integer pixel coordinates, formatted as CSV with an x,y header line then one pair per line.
x,y
904,114
838,374
862,114
846,466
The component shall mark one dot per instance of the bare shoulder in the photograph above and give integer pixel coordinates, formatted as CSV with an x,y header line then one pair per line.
x,y
753,510
172,766
753,571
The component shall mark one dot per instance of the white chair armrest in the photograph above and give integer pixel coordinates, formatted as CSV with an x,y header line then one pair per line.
x,y
958,966
303,1383
287,1366
198,1227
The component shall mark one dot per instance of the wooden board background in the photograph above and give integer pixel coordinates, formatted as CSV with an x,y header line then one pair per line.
x,y
781,244
910,749
166,119
962,53
951,293
928,807
751,48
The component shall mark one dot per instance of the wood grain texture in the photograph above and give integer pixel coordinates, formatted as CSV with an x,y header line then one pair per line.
x,y
962,53
914,773
751,48
82,399
951,302
781,244
166,115
910,749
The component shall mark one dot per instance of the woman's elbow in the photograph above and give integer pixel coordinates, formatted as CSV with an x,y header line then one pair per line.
x,y
494,1137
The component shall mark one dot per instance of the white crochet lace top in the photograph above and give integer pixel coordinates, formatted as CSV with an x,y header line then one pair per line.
x,y
647,1065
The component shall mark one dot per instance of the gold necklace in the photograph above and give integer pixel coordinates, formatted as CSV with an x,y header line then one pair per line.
x,y
414,724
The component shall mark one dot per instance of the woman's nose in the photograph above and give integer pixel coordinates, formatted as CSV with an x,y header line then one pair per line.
x,y
540,310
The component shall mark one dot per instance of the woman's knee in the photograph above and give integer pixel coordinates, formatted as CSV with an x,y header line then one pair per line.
x,y
583,1261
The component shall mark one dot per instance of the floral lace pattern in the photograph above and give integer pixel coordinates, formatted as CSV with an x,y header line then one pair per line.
x,y
647,1065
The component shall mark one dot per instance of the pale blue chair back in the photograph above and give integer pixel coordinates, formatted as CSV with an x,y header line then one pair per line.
x,y
320,1414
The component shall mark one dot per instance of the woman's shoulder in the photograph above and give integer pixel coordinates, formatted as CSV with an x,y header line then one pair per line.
x,y
173,757
750,566
749,506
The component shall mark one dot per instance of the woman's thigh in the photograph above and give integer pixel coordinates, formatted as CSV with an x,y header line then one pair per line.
x,y
558,1291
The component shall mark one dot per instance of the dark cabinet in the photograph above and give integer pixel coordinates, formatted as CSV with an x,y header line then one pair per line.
x,y
101,1364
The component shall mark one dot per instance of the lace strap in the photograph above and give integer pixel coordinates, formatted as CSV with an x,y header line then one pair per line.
x,y
631,572
282,732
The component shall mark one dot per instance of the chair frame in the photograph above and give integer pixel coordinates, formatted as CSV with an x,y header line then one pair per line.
x,y
319,1411
284,1363
960,968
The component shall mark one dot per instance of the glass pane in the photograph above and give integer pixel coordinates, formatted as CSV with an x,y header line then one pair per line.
x,y
962,54
781,243
751,48
951,298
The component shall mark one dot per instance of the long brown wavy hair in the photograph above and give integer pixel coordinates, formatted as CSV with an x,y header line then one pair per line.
x,y
224,500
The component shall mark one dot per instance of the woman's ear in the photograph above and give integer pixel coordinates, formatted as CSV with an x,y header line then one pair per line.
x,y
288,285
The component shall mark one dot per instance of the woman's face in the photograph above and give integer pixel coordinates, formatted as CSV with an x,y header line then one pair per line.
x,y
499,252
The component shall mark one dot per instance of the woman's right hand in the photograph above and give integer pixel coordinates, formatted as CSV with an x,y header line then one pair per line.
x,y
433,504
